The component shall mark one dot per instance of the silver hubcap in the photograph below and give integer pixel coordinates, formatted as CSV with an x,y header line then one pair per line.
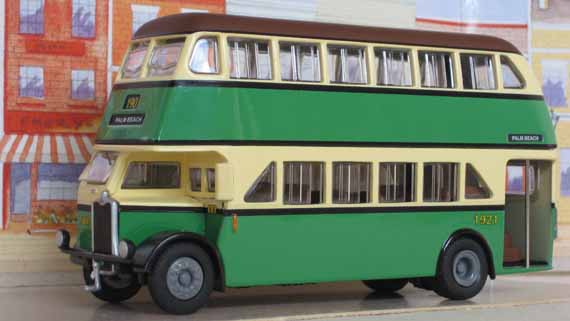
x,y
466,268
185,278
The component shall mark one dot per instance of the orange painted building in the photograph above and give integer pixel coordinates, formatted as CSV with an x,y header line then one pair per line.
x,y
59,60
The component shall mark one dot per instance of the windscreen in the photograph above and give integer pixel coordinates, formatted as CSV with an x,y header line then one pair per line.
x,y
135,59
100,167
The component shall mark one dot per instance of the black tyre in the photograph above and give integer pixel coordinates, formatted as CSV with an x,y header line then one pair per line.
x,y
463,270
386,286
114,289
182,279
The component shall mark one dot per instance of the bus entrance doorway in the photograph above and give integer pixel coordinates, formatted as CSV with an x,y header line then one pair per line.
x,y
528,213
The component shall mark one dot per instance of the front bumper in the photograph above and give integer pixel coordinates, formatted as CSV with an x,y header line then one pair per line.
x,y
80,256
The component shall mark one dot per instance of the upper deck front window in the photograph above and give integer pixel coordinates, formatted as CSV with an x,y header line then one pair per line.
x,y
99,169
205,56
165,57
250,59
436,69
300,62
135,59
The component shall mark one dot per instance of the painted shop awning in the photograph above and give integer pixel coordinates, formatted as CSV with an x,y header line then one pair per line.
x,y
61,149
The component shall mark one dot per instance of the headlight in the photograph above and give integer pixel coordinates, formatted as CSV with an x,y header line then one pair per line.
x,y
62,239
126,249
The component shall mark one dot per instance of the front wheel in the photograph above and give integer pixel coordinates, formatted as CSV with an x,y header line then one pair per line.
x,y
182,279
386,286
463,270
114,289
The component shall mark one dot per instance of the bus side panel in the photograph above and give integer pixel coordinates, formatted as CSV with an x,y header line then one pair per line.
x,y
138,226
218,113
291,248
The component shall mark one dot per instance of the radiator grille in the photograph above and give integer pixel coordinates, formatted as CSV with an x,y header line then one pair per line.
x,y
102,232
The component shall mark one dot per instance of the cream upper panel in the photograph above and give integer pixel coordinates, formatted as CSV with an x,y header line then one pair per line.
x,y
183,72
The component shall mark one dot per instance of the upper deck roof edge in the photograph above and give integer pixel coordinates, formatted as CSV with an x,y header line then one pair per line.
x,y
188,23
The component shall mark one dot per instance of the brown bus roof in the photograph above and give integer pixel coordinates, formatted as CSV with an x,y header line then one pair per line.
x,y
193,22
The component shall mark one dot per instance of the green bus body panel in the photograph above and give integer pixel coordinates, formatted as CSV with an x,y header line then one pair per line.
x,y
219,113
305,248
289,249
84,230
138,226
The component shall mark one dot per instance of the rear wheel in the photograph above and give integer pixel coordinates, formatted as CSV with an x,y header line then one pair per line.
x,y
114,289
463,270
386,286
182,279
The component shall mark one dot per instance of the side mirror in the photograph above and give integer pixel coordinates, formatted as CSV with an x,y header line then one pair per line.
x,y
224,182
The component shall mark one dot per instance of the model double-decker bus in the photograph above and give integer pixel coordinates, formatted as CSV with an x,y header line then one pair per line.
x,y
239,151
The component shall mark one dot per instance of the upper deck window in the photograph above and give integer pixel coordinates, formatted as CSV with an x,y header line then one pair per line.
x,y
205,56
142,175
250,59
135,59
165,57
394,67
512,78
347,65
300,62
478,72
436,69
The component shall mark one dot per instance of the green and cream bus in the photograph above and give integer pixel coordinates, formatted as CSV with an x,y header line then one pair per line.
x,y
240,151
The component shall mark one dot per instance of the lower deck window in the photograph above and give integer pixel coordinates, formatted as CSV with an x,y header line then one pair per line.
x,y
263,189
196,179
351,183
475,186
303,182
152,175
397,182
440,182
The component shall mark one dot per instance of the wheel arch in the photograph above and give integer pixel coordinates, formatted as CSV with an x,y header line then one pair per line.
x,y
148,252
475,236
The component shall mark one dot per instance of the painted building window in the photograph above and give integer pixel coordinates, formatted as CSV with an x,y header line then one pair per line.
x,y
303,182
478,72
143,14
32,16
440,182
250,59
565,171
397,182
394,67
555,82
300,62
83,84
192,10
205,56
58,181
351,183
347,65
20,187
31,82
436,69
263,189
83,19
